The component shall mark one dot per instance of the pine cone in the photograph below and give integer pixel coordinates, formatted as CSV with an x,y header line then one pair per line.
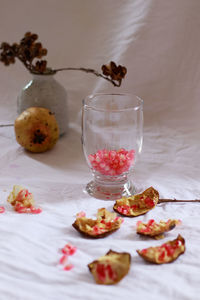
x,y
40,66
7,55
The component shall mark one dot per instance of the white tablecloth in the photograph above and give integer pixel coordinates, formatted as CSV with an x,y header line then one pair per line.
x,y
159,43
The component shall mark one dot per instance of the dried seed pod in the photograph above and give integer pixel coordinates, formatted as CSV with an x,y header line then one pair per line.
x,y
26,51
166,253
156,230
105,224
111,268
114,72
7,55
40,66
136,205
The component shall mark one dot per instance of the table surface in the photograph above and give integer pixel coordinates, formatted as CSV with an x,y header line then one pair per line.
x,y
164,71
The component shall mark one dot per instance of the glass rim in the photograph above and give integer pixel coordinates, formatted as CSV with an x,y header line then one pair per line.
x,y
91,96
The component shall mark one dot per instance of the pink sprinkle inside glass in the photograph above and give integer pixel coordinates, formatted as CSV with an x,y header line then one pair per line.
x,y
112,133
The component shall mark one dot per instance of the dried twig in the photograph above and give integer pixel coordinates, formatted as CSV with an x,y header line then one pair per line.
x,y
90,71
177,201
28,49
6,125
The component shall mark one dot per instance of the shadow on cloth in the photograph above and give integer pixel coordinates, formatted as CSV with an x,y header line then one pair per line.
x,y
66,154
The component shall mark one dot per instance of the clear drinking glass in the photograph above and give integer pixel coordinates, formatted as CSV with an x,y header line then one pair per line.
x,y
112,133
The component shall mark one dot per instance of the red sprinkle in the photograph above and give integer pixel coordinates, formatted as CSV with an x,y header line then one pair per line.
x,y
96,230
69,249
150,222
112,275
22,209
108,225
68,267
35,210
149,202
144,251
134,207
81,214
101,272
119,219
124,209
161,256
63,259
138,223
2,209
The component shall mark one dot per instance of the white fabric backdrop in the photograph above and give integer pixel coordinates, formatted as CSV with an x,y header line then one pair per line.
x,y
159,43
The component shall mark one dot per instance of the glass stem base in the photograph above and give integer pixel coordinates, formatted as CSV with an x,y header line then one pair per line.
x,y
108,191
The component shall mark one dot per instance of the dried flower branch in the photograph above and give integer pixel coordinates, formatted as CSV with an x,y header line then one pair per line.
x,y
176,201
28,50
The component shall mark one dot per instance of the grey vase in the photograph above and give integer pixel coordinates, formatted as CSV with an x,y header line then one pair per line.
x,y
45,91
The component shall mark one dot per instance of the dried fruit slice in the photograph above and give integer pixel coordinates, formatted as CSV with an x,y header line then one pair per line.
x,y
111,268
105,224
165,253
20,195
22,200
154,229
137,205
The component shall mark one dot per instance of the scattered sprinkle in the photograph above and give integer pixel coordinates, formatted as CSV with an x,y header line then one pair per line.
x,y
67,251
81,214
68,267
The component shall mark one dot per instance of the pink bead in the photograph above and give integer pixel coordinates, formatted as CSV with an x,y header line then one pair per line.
x,y
112,162
122,150
98,159
138,223
102,165
112,154
91,158
119,171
